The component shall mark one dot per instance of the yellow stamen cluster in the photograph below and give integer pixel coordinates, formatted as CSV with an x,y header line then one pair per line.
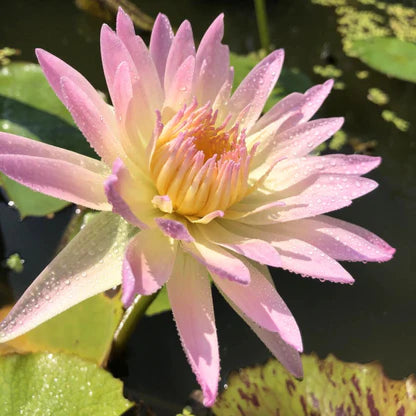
x,y
202,166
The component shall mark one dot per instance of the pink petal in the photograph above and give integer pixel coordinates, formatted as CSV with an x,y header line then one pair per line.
x,y
315,195
88,265
160,43
296,142
180,89
54,171
189,292
289,172
340,240
296,255
130,198
256,87
55,69
174,229
212,63
113,186
133,113
307,104
143,271
217,260
90,121
286,354
254,249
314,98
141,58
260,301
182,48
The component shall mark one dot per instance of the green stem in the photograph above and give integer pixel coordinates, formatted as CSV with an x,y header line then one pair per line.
x,y
134,313
261,15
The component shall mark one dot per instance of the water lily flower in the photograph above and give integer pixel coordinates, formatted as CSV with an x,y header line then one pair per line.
x,y
195,186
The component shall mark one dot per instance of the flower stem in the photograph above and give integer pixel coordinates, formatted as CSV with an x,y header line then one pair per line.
x,y
134,313
262,25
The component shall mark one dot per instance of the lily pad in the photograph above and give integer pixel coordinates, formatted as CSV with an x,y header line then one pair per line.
x,y
290,80
391,56
30,108
86,330
160,304
57,385
330,387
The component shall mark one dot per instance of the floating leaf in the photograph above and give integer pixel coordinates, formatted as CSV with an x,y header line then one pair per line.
x,y
160,304
290,80
330,387
86,330
57,385
30,108
15,263
390,56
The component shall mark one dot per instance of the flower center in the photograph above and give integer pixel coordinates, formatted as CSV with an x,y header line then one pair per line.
x,y
200,165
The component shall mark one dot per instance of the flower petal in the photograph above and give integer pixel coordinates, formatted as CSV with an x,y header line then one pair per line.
x,y
143,271
130,198
289,172
189,292
141,58
286,354
160,43
88,265
53,171
175,229
55,69
255,89
315,195
90,121
340,240
254,249
307,104
212,63
217,260
297,256
295,142
182,48
113,189
260,301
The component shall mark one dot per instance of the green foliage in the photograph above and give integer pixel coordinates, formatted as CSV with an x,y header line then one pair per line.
x,y
160,304
391,56
15,263
57,385
377,96
86,330
391,117
329,387
29,107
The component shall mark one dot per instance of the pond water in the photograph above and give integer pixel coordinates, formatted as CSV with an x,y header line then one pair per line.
x,y
372,320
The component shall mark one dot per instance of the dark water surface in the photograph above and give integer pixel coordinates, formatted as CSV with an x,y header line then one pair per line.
x,y
375,319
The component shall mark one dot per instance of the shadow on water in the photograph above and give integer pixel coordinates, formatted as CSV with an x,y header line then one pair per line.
x,y
371,320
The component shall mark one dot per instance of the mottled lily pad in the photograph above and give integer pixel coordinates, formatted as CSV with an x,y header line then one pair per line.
x,y
57,385
30,108
330,387
392,56
86,330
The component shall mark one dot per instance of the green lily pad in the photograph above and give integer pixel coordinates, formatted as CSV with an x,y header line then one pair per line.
x,y
160,304
57,385
330,387
290,80
86,330
391,56
30,108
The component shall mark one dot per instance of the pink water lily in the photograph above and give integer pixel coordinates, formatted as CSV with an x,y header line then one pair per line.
x,y
195,184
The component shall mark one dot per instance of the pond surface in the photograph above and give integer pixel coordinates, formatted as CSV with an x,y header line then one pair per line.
x,y
372,320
